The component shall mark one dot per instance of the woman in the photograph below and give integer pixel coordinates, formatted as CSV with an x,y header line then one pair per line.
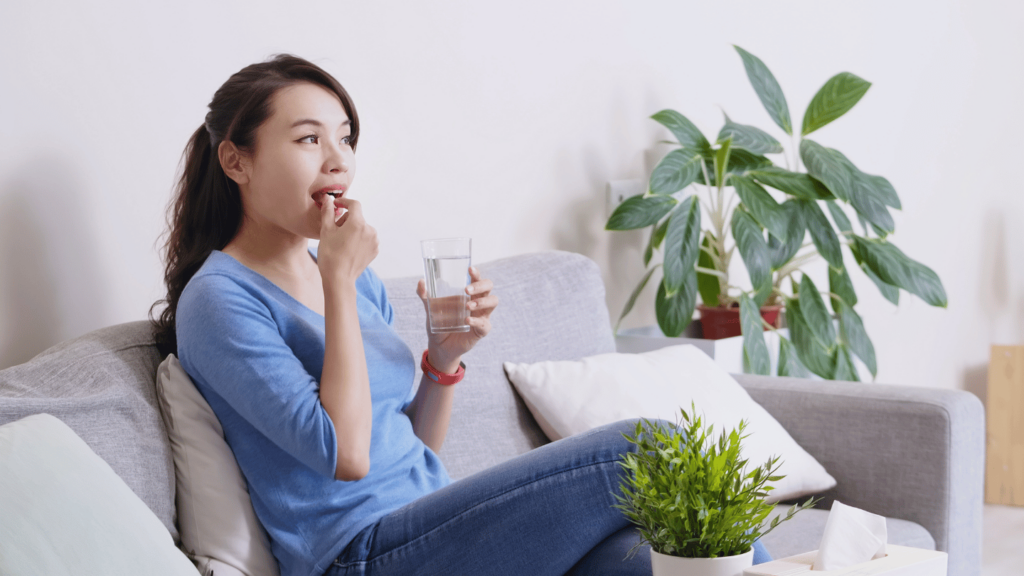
x,y
294,350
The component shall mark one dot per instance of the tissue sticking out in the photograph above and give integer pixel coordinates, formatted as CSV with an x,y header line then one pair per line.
x,y
851,536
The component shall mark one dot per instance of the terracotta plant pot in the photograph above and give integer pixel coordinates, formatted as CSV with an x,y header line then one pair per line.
x,y
665,565
719,323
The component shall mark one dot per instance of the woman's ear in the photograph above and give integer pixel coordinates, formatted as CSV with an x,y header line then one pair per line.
x,y
233,162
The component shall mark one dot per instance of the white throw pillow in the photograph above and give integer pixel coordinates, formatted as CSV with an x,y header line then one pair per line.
x,y
218,526
63,509
570,397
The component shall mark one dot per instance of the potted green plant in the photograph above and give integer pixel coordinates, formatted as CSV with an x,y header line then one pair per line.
x,y
736,174
693,499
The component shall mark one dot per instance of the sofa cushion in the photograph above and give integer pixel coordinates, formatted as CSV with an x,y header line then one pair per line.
x,y
571,397
552,307
802,533
219,528
65,511
102,385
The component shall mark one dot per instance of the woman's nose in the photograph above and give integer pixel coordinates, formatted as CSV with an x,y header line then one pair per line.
x,y
338,166
336,161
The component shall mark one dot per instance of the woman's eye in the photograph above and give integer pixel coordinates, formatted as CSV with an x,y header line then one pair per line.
x,y
346,140
308,137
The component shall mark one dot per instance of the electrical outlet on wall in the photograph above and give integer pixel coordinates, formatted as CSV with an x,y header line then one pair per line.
x,y
617,191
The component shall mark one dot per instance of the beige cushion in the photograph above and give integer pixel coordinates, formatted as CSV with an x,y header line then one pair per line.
x,y
63,510
218,526
570,397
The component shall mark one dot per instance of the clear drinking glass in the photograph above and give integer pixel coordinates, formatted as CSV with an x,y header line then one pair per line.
x,y
446,264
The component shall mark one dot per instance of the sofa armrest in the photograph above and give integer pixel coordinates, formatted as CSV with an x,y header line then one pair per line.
x,y
903,452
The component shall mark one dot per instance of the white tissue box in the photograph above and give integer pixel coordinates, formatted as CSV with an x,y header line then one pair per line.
x,y
898,561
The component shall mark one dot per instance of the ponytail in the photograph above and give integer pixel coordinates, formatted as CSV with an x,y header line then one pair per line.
x,y
206,215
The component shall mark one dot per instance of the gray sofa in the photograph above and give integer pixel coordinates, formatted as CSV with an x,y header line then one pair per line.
x,y
914,455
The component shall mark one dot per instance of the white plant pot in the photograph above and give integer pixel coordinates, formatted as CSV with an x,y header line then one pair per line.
x,y
665,565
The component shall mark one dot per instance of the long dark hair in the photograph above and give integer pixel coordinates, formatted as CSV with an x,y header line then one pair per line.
x,y
206,210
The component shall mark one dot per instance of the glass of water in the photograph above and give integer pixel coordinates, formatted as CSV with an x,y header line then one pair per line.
x,y
446,264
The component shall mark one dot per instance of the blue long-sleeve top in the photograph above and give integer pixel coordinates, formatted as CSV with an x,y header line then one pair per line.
x,y
256,355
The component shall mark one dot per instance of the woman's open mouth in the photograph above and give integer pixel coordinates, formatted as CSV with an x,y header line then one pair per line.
x,y
319,198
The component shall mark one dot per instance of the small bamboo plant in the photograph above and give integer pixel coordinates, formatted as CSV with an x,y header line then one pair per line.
x,y
692,497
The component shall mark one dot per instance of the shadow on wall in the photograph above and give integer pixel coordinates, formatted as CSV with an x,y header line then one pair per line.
x,y
975,381
618,254
49,280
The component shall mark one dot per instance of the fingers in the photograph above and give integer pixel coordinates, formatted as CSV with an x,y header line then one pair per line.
x,y
421,289
483,306
349,204
326,214
479,287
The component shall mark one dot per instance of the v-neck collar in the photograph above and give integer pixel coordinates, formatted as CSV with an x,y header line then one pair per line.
x,y
263,280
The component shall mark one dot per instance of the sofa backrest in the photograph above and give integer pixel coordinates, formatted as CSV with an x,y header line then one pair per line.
x,y
103,384
551,307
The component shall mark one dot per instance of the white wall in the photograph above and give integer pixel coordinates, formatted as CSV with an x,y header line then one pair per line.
x,y
503,122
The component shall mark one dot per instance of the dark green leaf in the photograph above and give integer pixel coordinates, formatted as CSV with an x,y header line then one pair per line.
x,y
794,183
677,170
767,89
688,135
639,211
682,243
812,354
657,236
845,370
868,204
754,348
722,161
894,267
839,283
762,206
740,162
750,138
827,168
863,223
708,284
852,332
822,234
884,189
815,314
889,292
636,294
833,100
839,216
674,313
762,293
873,190
753,248
782,252
789,363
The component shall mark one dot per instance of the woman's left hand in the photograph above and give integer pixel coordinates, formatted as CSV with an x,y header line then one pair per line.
x,y
447,348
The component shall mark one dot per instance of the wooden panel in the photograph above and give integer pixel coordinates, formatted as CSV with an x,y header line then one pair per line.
x,y
1004,414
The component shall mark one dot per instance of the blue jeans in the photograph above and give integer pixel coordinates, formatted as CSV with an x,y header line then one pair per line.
x,y
546,512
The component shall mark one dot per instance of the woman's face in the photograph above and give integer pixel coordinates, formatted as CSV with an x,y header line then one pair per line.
x,y
301,149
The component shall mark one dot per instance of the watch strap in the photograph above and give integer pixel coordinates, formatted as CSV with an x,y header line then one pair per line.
x,y
441,377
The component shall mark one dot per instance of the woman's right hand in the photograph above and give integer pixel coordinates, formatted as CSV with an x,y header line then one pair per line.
x,y
347,246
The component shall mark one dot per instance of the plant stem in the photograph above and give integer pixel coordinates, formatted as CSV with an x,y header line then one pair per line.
x,y
714,257
703,270
795,263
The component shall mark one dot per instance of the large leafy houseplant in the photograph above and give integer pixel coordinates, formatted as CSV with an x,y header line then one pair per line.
x,y
735,173
693,497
